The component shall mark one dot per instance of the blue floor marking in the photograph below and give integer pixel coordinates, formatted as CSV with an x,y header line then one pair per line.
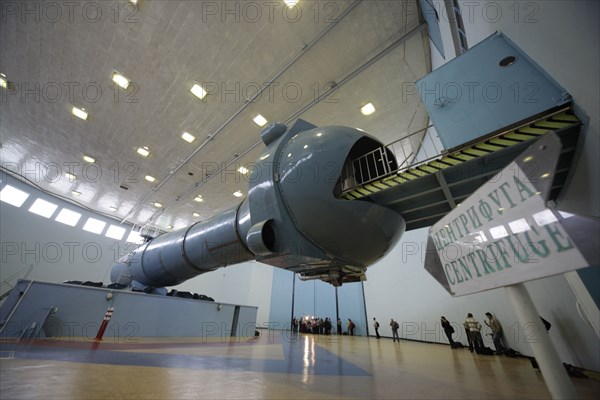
x,y
297,359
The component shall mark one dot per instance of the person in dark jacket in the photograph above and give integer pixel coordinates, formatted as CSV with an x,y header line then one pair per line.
x,y
448,330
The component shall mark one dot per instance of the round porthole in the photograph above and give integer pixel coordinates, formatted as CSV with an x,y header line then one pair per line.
x,y
508,61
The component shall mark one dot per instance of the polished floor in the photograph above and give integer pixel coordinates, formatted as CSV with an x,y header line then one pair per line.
x,y
274,366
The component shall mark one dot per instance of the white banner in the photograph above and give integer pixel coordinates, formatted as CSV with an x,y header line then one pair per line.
x,y
503,234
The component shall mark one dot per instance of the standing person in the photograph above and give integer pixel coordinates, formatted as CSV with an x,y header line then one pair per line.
x,y
376,326
339,326
497,335
449,330
350,327
468,333
394,325
475,332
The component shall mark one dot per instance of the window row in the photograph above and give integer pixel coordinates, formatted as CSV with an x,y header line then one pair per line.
x,y
46,209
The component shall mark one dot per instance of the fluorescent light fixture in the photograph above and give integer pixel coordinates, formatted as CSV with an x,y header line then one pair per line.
x,y
290,3
89,159
115,232
238,194
120,80
13,196
3,82
68,217
528,158
135,237
75,193
544,217
199,199
319,134
150,178
547,174
143,151
187,137
195,214
113,208
158,205
498,232
94,225
80,113
198,91
519,225
260,120
243,170
43,208
169,226
367,109
70,177
134,1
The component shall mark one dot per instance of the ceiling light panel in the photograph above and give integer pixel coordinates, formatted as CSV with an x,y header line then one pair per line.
x,y
367,109
80,113
120,80
198,91
187,137
260,120
143,151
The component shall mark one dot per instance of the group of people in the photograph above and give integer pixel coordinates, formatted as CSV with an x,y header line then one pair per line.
x,y
320,326
473,330
393,324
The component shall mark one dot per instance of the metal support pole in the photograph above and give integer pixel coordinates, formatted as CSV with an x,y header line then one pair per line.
x,y
557,380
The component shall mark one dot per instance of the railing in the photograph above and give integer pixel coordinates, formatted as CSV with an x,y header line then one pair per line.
x,y
410,151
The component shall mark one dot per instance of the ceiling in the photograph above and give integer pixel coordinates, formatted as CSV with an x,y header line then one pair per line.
x,y
371,51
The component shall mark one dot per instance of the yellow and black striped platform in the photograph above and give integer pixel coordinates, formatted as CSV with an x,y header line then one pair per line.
x,y
552,122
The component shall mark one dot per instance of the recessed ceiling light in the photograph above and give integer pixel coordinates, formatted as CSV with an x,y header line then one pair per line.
x,y
196,214
13,196
260,120
367,109
157,205
88,159
238,194
75,193
3,82
134,1
70,177
150,178
290,3
199,199
120,80
243,170
143,151
198,91
169,226
187,137
80,113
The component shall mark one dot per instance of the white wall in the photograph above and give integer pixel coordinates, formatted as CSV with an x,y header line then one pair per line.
x,y
562,37
399,287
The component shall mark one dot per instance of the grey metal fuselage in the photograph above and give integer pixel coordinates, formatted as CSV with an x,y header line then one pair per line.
x,y
290,219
